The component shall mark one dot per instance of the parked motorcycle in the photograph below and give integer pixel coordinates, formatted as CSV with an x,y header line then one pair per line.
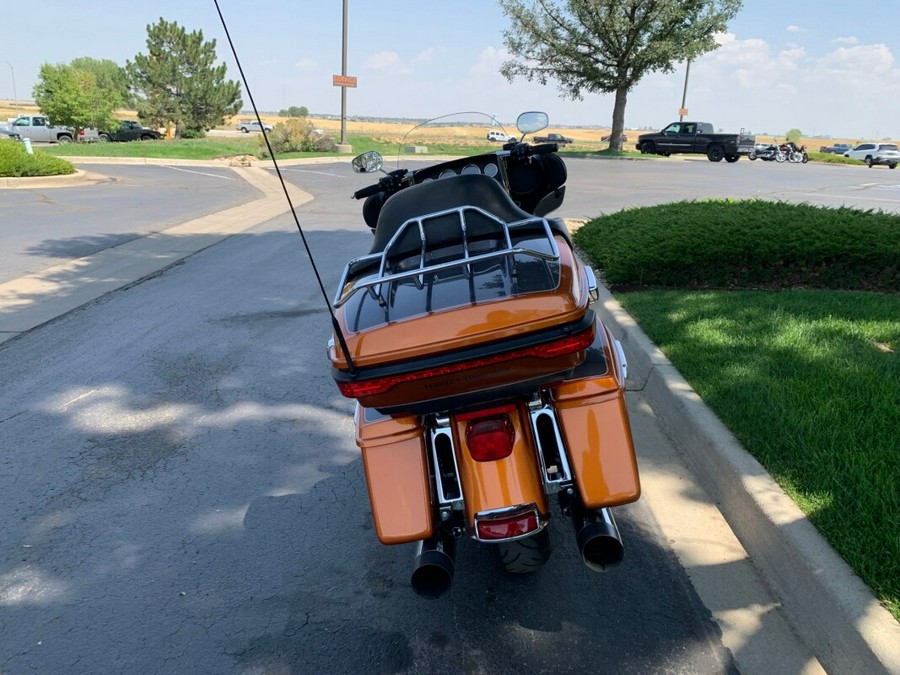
x,y
486,387
796,154
781,152
767,153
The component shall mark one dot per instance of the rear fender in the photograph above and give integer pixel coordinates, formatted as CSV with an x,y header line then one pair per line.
x,y
504,483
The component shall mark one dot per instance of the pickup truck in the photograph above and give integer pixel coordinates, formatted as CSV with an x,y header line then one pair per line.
x,y
696,138
38,128
553,138
128,130
246,126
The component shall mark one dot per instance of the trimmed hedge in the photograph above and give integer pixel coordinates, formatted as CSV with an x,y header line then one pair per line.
x,y
15,162
746,244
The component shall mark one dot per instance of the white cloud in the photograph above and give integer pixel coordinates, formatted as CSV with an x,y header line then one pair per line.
x,y
427,55
795,29
388,61
861,60
306,64
848,40
489,61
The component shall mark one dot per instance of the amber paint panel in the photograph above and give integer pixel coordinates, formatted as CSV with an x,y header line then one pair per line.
x,y
506,482
393,452
597,435
466,326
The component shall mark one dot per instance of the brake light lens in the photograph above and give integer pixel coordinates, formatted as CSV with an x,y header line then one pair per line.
x,y
567,345
490,439
515,525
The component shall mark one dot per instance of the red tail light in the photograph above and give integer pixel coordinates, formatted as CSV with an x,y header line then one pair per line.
x,y
515,525
566,345
490,439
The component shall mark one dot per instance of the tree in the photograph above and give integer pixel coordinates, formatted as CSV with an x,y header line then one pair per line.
x,y
71,97
608,45
794,135
178,81
110,77
294,111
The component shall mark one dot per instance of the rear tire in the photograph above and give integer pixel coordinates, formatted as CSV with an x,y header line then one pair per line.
x,y
731,159
892,166
869,162
524,556
715,153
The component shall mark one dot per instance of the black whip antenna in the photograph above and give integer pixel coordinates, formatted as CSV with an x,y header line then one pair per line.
x,y
334,321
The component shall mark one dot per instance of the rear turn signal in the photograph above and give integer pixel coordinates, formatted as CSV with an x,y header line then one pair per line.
x,y
490,439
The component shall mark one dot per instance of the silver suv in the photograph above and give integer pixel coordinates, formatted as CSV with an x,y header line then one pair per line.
x,y
876,153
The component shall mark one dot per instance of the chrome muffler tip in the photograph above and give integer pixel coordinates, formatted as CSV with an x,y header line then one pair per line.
x,y
433,568
599,541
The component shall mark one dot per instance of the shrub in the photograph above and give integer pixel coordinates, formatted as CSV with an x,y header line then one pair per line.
x,y
296,135
15,162
746,244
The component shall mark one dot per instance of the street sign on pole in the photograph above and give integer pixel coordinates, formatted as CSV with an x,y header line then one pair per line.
x,y
343,80
683,111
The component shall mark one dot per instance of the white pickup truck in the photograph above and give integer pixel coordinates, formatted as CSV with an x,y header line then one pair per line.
x,y
38,128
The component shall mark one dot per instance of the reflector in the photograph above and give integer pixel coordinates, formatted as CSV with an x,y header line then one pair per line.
x,y
490,439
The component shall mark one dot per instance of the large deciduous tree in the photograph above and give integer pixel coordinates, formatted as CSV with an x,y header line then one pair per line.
x,y
110,77
607,46
72,97
178,82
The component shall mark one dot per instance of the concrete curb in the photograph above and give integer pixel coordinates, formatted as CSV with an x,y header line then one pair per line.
x,y
828,606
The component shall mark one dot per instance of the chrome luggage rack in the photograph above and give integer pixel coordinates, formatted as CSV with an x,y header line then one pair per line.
x,y
372,282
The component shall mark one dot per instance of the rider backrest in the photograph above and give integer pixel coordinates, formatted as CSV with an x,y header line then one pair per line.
x,y
442,194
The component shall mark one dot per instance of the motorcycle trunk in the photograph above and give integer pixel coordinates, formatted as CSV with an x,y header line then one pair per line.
x,y
485,385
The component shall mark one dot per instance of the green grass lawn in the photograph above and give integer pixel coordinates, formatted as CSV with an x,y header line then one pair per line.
x,y
805,373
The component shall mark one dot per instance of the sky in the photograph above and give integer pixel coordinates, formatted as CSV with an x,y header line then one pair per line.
x,y
826,68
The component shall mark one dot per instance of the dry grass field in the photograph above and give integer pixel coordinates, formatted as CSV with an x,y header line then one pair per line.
x,y
585,137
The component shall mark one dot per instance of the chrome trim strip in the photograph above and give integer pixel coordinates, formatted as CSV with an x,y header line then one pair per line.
x,y
553,483
443,500
593,288
623,362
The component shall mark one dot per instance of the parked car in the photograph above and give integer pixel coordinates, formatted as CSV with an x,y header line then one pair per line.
x,y
836,149
500,136
608,138
696,137
247,126
876,153
129,130
39,128
553,138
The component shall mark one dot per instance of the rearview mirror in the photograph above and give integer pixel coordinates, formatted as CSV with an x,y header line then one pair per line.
x,y
368,162
533,121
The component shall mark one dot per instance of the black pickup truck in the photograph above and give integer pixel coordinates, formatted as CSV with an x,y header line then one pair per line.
x,y
553,138
697,138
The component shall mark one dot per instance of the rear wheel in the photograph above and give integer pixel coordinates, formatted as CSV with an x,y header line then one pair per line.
x,y
64,139
527,555
869,162
104,138
715,153
731,159
892,166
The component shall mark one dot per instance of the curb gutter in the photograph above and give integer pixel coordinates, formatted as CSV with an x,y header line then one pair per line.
x,y
827,605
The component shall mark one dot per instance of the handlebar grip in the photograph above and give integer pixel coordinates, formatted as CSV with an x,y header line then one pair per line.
x,y
544,148
367,191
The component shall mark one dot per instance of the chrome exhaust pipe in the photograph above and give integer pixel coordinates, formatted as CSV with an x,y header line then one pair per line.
x,y
598,539
433,566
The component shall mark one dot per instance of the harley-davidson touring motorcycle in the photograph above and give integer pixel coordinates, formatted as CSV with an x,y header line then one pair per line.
x,y
489,396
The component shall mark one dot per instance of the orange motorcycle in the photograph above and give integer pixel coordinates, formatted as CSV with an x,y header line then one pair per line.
x,y
486,387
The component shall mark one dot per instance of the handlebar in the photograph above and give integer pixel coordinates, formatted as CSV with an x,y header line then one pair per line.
x,y
368,191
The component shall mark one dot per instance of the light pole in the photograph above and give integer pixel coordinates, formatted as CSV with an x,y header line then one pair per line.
x,y
344,73
15,95
684,94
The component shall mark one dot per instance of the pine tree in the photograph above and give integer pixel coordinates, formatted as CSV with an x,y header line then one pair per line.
x,y
178,82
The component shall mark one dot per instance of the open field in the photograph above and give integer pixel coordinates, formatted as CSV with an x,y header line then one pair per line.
x,y
585,137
